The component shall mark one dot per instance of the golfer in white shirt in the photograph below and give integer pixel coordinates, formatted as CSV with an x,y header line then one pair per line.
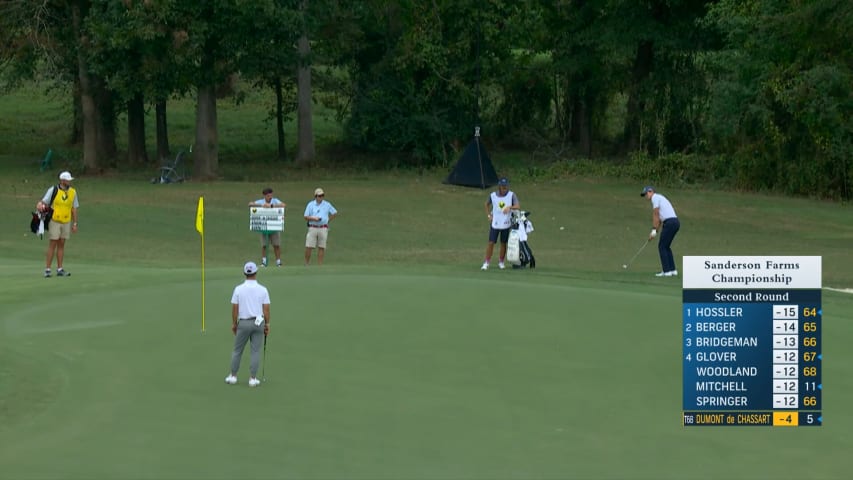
x,y
663,217
250,322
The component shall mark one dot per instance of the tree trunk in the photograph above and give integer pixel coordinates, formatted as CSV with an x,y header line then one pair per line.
x,y
163,152
279,118
636,103
77,121
559,112
88,107
137,154
305,133
106,122
206,152
581,126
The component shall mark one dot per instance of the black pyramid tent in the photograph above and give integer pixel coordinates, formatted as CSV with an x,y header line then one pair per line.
x,y
474,168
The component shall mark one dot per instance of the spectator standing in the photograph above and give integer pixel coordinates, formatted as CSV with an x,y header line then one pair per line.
x,y
318,214
269,238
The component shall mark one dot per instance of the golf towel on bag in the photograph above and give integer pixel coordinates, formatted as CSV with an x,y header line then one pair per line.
x,y
37,224
512,251
527,253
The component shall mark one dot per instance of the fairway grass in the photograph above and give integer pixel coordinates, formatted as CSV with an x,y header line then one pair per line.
x,y
398,359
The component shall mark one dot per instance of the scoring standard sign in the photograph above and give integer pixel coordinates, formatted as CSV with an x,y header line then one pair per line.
x,y
266,220
751,341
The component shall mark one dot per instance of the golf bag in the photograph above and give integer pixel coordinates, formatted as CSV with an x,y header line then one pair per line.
x,y
34,223
518,251
41,220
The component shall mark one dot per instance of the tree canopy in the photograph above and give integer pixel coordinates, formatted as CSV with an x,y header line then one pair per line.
x,y
762,87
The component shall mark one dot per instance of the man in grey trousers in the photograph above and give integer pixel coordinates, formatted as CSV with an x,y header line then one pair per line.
x,y
250,322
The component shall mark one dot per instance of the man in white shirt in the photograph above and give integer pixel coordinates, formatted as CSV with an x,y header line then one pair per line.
x,y
663,217
250,322
498,210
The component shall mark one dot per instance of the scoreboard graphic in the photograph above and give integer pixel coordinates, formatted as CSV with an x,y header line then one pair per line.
x,y
266,220
751,345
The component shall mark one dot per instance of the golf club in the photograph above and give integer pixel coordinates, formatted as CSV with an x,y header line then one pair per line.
x,y
627,264
264,366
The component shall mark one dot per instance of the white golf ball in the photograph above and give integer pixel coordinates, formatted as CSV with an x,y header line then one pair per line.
x,y
624,265
562,228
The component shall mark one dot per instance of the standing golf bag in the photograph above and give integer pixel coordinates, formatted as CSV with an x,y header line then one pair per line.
x,y
518,251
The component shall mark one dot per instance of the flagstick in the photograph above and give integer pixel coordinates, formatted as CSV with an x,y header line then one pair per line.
x,y
199,226
202,283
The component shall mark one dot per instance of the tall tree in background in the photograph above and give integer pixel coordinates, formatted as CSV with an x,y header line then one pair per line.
x,y
219,33
305,150
273,59
662,39
135,54
583,68
413,67
96,99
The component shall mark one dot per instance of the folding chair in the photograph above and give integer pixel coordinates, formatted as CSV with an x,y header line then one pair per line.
x,y
172,172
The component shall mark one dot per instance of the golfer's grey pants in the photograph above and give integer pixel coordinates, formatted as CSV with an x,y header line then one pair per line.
x,y
246,331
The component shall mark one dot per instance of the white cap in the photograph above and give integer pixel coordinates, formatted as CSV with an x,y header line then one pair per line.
x,y
319,191
66,176
250,268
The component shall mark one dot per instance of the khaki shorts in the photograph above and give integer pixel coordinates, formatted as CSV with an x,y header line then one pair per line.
x,y
316,237
56,230
274,239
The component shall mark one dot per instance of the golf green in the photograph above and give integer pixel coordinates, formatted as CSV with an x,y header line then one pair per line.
x,y
370,373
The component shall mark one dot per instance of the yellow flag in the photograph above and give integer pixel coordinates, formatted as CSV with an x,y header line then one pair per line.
x,y
199,216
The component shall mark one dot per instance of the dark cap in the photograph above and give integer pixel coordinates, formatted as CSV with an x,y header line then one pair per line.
x,y
647,189
503,182
267,190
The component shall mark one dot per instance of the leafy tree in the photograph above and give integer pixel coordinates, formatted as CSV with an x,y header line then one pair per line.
x,y
582,53
136,52
783,94
96,99
416,69
20,26
215,36
52,36
272,60
656,43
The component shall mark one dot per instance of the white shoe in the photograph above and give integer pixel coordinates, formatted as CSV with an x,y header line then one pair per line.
x,y
501,265
231,380
660,274
671,273
254,382
485,266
